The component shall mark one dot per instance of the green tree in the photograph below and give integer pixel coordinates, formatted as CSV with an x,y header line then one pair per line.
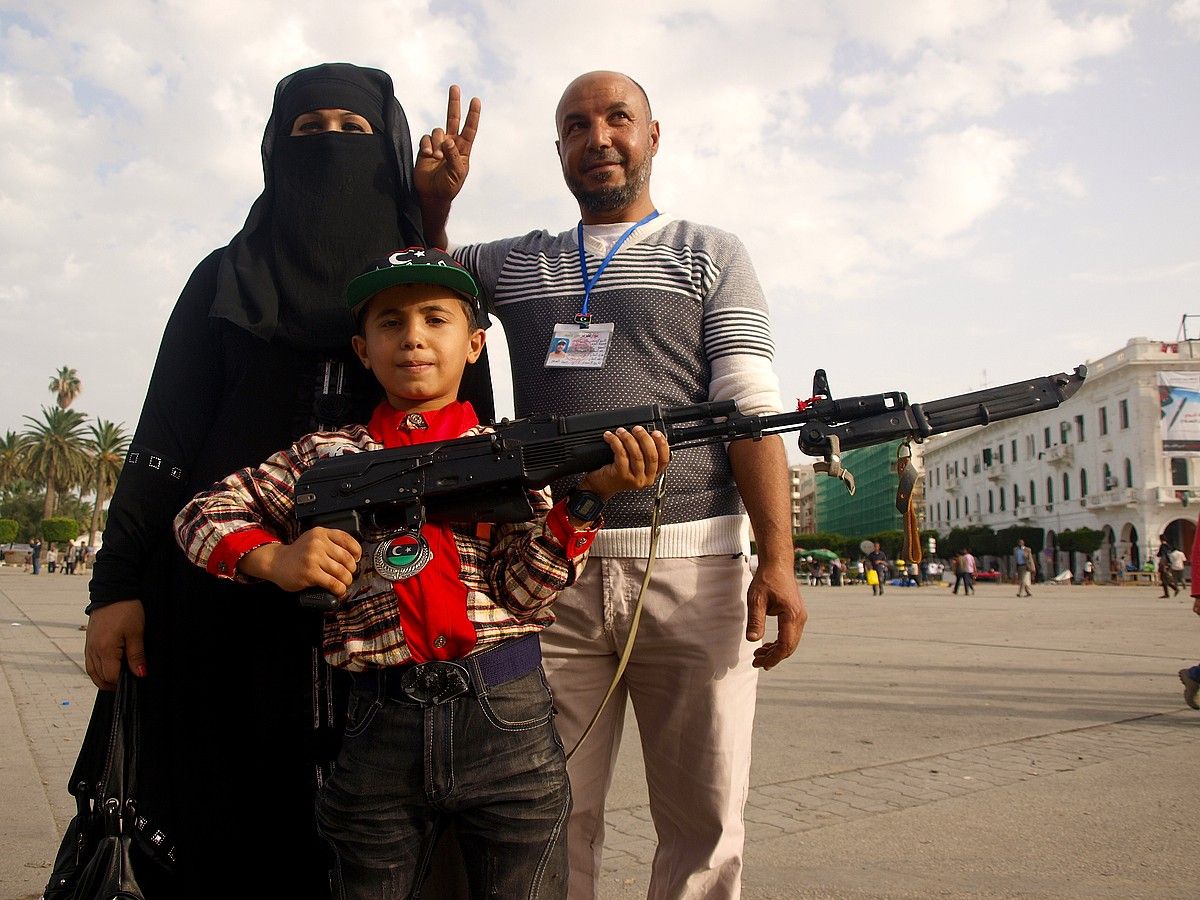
x,y
12,459
8,530
22,501
60,530
66,386
56,452
108,444
1080,540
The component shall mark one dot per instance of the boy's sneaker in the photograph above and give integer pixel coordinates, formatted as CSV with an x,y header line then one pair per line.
x,y
1190,688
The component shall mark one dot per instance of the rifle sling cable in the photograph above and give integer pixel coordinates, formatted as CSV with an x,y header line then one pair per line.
x,y
627,650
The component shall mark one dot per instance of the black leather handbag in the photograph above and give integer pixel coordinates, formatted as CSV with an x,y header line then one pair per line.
x,y
96,858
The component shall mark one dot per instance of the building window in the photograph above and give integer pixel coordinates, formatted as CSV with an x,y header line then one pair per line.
x,y
1000,454
975,467
1103,420
1079,428
1002,500
1014,449
947,510
1128,473
1109,481
956,513
1016,499
991,502
1049,490
1083,482
1066,487
1179,472
1123,413
1064,432
1030,446
1032,493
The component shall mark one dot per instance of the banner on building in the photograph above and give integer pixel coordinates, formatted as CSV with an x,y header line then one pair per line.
x,y
1179,408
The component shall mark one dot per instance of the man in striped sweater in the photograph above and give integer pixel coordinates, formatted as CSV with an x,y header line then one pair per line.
x,y
654,309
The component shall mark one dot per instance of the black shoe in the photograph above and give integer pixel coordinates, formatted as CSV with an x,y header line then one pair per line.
x,y
1190,688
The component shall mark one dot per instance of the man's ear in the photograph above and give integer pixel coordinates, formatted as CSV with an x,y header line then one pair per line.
x,y
475,344
654,137
359,343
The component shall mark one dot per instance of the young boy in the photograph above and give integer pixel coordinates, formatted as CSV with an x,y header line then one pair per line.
x,y
449,715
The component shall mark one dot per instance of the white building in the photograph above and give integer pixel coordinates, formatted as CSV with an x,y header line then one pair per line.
x,y
804,499
1097,462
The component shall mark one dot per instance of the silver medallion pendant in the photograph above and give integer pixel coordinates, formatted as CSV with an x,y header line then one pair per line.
x,y
402,555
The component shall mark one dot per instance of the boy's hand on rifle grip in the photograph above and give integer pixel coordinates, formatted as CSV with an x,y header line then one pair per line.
x,y
320,558
639,457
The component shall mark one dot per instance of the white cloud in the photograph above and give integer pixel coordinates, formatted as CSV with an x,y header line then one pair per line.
x,y
966,60
1187,14
864,151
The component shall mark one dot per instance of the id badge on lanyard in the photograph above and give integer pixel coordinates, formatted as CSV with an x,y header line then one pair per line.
x,y
584,344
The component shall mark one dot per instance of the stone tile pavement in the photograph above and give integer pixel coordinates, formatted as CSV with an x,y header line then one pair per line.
x,y
926,746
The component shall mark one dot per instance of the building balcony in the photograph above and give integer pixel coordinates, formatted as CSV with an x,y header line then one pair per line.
x,y
1179,493
1111,499
997,473
951,486
1059,454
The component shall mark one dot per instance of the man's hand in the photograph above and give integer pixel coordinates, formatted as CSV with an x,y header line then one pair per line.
x,y
760,470
444,157
639,457
321,558
115,634
773,592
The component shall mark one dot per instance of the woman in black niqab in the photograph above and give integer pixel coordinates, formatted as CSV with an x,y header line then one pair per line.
x,y
237,708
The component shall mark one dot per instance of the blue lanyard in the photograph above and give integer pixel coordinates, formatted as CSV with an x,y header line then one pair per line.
x,y
584,318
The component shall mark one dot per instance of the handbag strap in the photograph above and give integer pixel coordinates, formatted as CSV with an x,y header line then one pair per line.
x,y
116,785
93,753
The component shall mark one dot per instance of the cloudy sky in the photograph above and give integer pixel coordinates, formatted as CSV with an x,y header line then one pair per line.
x,y
936,195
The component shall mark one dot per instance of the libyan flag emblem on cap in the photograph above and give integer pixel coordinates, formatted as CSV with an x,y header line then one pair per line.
x,y
402,556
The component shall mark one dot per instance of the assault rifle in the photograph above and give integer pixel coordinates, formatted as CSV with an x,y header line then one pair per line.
x,y
486,478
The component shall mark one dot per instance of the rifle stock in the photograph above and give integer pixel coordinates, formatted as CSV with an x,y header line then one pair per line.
x,y
486,478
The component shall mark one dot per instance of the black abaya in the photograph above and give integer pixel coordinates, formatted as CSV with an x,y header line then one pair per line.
x,y
235,689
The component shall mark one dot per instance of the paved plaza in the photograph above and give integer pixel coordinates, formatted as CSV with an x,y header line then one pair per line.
x,y
919,744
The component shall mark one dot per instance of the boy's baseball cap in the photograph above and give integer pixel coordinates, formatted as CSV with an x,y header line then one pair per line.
x,y
413,265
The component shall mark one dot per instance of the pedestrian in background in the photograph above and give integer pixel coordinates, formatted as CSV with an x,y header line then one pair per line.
x,y
1176,560
1025,565
1191,676
968,570
879,565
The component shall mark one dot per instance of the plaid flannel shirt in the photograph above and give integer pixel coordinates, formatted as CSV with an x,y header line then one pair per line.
x,y
512,575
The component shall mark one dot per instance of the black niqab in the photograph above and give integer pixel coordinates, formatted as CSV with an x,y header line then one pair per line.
x,y
330,202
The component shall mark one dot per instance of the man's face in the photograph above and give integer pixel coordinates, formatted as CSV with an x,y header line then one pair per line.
x,y
416,340
606,141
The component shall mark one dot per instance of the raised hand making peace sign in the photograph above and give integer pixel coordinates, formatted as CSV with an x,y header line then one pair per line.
x,y
443,161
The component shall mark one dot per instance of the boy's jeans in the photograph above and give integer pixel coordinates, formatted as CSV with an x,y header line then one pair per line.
x,y
493,764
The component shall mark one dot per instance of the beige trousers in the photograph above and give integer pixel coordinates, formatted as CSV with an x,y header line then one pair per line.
x,y
693,690
1026,581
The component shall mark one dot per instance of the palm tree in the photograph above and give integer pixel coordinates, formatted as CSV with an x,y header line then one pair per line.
x,y
66,386
12,461
108,444
56,451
